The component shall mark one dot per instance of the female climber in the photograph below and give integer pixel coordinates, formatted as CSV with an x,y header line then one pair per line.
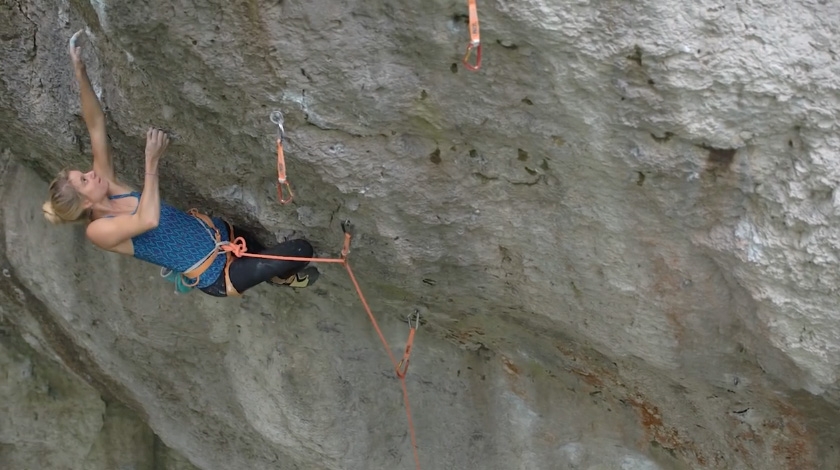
x,y
139,224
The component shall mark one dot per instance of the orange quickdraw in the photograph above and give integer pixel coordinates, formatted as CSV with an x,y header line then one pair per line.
x,y
277,118
475,39
281,175
402,367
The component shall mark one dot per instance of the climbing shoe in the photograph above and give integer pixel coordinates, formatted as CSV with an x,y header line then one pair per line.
x,y
303,278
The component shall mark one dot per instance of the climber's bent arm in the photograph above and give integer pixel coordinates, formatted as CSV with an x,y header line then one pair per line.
x,y
114,234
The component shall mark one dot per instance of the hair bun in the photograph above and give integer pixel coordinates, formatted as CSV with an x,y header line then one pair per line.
x,y
50,214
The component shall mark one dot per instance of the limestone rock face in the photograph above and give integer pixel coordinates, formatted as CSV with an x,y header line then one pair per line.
x,y
621,234
50,418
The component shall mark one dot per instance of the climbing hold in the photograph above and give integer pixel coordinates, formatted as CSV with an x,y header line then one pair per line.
x,y
475,40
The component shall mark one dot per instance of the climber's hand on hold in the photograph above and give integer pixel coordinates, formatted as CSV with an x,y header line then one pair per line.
x,y
76,50
156,143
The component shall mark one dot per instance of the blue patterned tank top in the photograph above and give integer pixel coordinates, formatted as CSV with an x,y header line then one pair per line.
x,y
179,242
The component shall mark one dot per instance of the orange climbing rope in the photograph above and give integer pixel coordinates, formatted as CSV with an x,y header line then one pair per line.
x,y
239,249
277,118
475,39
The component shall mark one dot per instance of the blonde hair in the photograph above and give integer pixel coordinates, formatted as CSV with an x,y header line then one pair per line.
x,y
65,204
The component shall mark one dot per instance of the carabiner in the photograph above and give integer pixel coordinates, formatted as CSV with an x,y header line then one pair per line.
x,y
280,185
477,47
416,316
277,118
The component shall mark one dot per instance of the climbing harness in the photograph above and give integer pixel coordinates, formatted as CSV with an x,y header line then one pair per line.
x,y
184,282
277,118
475,39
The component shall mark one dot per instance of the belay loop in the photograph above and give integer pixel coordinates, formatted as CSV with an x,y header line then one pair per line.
x,y
277,118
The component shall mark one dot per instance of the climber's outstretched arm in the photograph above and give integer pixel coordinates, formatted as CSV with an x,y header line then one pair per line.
x,y
92,114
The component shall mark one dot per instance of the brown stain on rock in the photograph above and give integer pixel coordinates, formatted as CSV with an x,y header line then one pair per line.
x,y
513,375
589,378
781,432
650,417
794,444
466,336
510,367
666,285
648,414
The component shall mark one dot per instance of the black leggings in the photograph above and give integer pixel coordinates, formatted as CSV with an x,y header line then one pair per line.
x,y
246,273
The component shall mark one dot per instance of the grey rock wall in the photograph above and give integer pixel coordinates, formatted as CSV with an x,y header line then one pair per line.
x,y
620,232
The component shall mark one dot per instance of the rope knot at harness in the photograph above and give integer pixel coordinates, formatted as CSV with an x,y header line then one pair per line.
x,y
237,247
